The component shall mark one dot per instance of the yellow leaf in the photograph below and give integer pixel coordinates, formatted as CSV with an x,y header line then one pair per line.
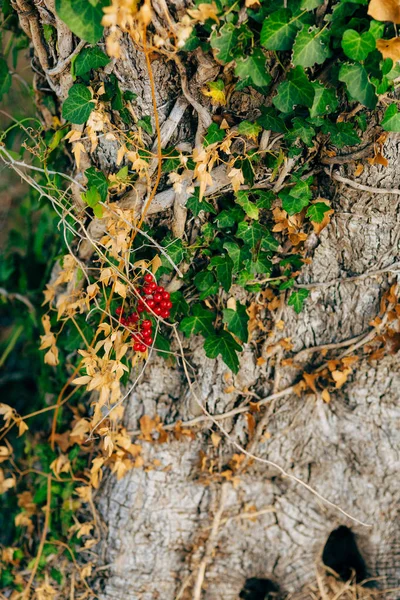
x,y
120,288
77,150
326,397
82,380
389,48
22,427
216,92
385,10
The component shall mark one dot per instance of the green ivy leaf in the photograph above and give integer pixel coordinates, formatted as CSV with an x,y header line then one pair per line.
x,y
175,250
264,198
225,345
301,130
270,119
83,17
357,46
269,242
310,4
196,206
278,30
214,134
311,47
201,321
5,78
145,123
223,267
236,321
358,84
252,69
250,130
391,119
325,100
296,90
296,198
237,254
251,210
78,106
225,42
298,298
90,58
342,134
260,265
317,211
228,218
98,180
251,234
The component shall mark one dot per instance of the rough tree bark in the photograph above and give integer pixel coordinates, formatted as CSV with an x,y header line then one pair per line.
x,y
158,522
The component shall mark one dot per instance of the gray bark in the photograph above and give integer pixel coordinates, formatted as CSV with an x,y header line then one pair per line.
x,y
158,519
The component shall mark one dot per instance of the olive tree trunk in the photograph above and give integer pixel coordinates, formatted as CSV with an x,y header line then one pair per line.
x,y
192,523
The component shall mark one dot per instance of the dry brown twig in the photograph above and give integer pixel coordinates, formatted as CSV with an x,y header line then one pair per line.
x,y
211,543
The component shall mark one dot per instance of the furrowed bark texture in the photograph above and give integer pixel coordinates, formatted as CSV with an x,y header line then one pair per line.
x,y
158,521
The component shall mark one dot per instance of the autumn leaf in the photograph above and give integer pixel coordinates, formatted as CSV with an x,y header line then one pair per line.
x,y
389,48
385,10
216,92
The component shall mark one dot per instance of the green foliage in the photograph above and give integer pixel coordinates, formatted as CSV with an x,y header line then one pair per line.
x,y
391,119
296,90
83,17
355,76
90,58
311,47
279,30
78,106
252,70
200,321
298,298
5,78
316,211
356,46
237,321
223,344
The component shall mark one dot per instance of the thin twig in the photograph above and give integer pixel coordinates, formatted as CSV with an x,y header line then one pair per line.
x,y
210,545
394,268
63,64
360,186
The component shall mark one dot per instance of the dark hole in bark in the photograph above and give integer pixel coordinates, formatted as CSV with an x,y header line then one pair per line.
x,y
258,589
342,555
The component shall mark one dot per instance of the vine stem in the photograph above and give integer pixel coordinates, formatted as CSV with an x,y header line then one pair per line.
x,y
42,541
158,131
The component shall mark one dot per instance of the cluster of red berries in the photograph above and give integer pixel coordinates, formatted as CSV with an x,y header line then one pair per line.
x,y
156,301
155,298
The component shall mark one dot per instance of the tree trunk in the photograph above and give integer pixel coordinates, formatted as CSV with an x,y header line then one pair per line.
x,y
201,517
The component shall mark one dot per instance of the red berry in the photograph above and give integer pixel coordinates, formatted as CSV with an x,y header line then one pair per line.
x,y
158,310
146,324
166,295
118,311
142,348
159,289
157,297
169,304
148,341
151,303
163,304
153,286
148,278
123,321
137,346
141,307
165,314
134,317
147,290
